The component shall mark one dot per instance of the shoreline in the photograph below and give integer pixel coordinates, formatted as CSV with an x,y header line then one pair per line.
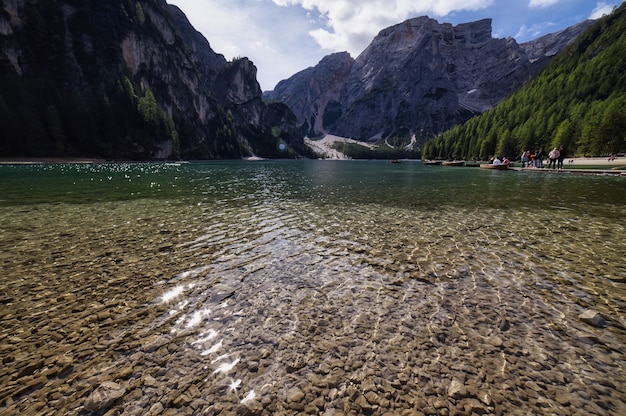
x,y
586,165
580,161
323,144
593,161
49,160
576,171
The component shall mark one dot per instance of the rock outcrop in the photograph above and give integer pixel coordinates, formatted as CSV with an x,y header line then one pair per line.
x,y
418,78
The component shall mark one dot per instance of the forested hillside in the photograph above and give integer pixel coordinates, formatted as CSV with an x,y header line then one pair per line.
x,y
128,79
578,100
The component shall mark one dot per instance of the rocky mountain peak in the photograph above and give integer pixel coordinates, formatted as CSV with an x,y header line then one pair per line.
x,y
476,33
417,78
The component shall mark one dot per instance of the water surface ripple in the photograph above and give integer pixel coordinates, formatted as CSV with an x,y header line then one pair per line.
x,y
311,287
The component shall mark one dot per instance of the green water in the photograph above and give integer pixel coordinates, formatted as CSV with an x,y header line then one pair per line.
x,y
283,287
404,186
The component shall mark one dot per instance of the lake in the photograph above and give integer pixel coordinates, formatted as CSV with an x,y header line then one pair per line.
x,y
312,287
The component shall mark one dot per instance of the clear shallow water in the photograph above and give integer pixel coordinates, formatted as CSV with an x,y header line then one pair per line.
x,y
311,287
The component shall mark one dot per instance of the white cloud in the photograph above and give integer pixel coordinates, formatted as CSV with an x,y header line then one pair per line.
x,y
283,37
275,39
601,9
542,4
350,26
534,31
217,22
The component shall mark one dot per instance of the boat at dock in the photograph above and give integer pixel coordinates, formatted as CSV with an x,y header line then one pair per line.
x,y
453,163
495,167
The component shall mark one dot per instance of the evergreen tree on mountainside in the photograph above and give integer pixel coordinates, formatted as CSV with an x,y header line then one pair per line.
x,y
116,79
578,101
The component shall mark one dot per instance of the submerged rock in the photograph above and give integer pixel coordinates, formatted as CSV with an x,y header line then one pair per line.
x,y
593,318
104,396
457,390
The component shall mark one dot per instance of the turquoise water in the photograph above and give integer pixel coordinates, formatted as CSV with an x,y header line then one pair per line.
x,y
326,287
404,186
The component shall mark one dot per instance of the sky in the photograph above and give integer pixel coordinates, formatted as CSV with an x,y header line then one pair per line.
x,y
283,37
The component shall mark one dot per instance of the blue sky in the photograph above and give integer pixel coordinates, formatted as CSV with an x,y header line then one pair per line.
x,y
283,37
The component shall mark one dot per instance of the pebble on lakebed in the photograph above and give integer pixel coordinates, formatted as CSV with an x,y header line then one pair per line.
x,y
593,318
104,396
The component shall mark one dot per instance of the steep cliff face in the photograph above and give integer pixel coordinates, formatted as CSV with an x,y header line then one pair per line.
x,y
418,78
121,79
311,92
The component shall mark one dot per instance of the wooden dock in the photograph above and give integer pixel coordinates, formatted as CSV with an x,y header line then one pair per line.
x,y
605,172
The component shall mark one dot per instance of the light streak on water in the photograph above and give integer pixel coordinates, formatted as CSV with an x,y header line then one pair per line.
x,y
172,294
226,367
213,349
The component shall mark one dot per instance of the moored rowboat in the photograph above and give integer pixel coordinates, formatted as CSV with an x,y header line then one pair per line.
x,y
495,167
453,163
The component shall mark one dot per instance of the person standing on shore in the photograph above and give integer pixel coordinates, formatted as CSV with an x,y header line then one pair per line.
x,y
561,158
539,158
525,158
536,158
553,156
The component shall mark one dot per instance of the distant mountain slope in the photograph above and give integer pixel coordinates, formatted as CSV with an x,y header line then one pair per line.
x,y
419,78
313,93
127,79
578,101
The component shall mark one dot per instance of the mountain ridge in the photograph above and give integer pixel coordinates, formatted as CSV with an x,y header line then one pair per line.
x,y
417,78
